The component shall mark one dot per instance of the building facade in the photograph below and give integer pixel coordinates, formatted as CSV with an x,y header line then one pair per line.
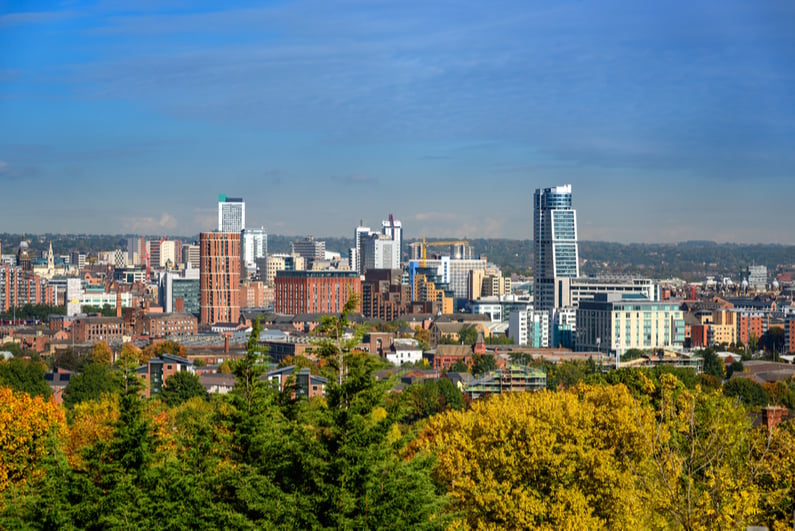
x,y
231,214
529,327
254,246
324,291
616,322
555,243
219,277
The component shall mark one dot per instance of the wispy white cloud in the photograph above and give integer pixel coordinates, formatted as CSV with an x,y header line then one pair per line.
x,y
150,225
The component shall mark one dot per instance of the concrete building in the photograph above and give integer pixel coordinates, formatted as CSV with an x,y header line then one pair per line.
x,y
324,291
570,291
379,252
231,214
529,327
219,277
191,255
282,262
616,322
254,246
309,249
555,244
757,277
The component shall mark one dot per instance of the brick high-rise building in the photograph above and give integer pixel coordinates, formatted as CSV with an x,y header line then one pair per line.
x,y
219,277
324,291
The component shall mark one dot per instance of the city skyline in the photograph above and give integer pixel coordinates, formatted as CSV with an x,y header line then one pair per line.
x,y
672,122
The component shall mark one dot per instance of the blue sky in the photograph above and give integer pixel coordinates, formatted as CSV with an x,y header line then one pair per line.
x,y
672,120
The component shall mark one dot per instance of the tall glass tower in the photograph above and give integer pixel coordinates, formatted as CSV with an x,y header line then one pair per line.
x,y
554,244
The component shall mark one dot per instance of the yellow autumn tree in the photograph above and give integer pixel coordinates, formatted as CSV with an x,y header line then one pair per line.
x,y
699,474
25,426
101,353
91,422
544,460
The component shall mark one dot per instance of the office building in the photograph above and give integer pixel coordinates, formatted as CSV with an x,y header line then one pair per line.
x,y
554,243
254,246
231,214
219,277
309,249
616,322
379,252
324,291
191,256
757,277
282,262
181,292
393,229
570,291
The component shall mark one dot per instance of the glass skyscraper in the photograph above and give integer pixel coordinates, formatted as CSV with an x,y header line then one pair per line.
x,y
554,244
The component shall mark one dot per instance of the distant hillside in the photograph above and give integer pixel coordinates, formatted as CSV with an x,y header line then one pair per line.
x,y
691,260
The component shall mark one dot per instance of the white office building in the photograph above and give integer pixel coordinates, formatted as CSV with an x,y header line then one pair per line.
x,y
231,214
253,246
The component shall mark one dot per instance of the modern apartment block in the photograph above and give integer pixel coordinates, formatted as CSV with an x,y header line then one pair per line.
x,y
323,291
18,288
617,322
529,327
750,324
555,244
219,277
231,214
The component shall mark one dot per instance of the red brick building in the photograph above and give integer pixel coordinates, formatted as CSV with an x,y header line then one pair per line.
x,y
750,324
219,277
324,291
789,335
159,325
252,294
94,329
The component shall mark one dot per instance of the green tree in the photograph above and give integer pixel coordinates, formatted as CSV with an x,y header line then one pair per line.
x,y
25,376
96,379
748,391
468,335
713,365
737,366
483,363
181,387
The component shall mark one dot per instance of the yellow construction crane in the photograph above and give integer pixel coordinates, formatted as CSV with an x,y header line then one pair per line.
x,y
442,243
